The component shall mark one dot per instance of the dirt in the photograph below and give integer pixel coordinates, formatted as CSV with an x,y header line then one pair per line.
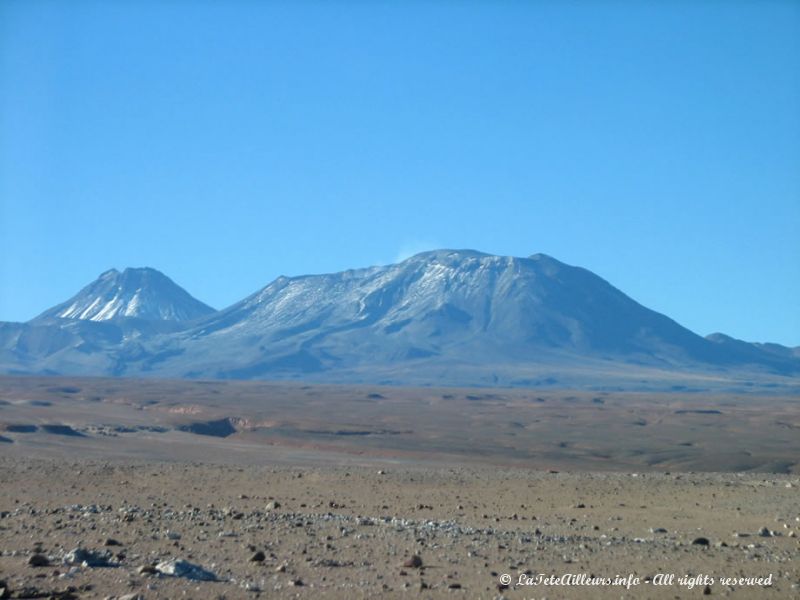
x,y
174,490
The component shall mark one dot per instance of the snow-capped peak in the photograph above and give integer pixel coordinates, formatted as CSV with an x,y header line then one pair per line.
x,y
142,293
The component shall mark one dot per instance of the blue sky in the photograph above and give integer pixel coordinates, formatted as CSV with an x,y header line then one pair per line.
x,y
655,143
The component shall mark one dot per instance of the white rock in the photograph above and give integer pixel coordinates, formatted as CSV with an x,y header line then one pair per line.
x,y
183,568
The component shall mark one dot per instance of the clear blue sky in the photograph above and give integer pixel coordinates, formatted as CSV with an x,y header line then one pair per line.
x,y
225,143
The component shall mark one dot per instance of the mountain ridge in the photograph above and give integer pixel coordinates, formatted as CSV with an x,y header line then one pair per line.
x,y
456,317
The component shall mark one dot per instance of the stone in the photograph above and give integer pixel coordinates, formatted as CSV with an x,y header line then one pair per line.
x,y
415,562
701,541
185,569
258,557
88,558
147,570
38,560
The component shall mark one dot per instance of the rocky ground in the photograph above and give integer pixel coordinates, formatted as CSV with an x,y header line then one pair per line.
x,y
128,529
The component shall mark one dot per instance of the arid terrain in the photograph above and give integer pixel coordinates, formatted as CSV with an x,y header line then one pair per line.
x,y
263,423
288,490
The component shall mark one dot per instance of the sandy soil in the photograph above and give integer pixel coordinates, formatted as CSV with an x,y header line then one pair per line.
x,y
271,492
346,532
255,422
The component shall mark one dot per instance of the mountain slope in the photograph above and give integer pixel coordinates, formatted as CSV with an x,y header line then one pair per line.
x,y
136,293
443,313
454,317
87,333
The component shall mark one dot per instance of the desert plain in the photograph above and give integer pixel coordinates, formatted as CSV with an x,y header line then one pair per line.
x,y
117,488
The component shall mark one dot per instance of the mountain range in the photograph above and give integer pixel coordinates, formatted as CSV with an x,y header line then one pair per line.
x,y
445,317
